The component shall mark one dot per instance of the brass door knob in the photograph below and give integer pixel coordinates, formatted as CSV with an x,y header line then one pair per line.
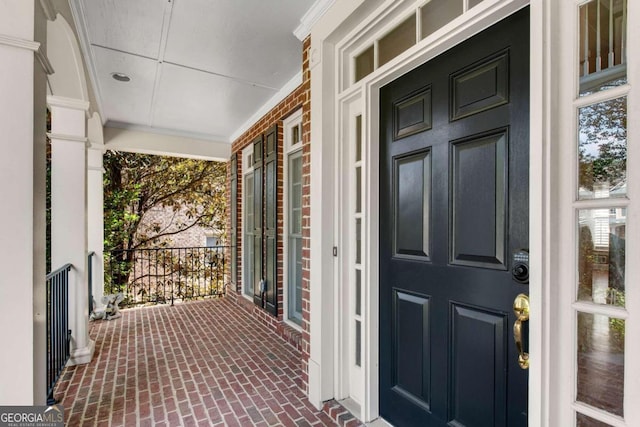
x,y
521,309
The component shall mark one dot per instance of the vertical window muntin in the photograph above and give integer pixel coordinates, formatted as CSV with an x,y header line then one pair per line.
x,y
293,217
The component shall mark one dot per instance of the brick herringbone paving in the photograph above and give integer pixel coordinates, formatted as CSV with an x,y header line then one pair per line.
x,y
204,363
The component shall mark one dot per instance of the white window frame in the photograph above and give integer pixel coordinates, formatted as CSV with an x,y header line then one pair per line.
x,y
290,147
562,299
247,169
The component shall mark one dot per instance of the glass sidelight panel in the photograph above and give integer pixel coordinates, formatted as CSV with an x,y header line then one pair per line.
x,y
601,255
248,235
603,26
601,362
602,149
294,279
584,421
358,241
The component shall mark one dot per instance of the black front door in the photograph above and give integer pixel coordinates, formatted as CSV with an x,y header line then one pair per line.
x,y
454,200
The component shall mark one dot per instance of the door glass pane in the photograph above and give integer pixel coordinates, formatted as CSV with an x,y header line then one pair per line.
x,y
358,138
601,362
602,45
294,278
358,240
602,149
397,41
295,134
358,292
584,421
295,193
601,255
474,3
248,235
358,189
358,343
437,13
364,63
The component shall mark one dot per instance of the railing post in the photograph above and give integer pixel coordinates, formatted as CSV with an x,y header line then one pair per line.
x,y
58,333
90,281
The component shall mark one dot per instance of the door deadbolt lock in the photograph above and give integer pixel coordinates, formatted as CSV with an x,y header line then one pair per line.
x,y
520,269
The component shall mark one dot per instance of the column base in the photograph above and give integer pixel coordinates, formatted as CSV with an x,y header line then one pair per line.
x,y
82,356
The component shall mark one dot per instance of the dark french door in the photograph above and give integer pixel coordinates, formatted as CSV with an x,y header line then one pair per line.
x,y
454,224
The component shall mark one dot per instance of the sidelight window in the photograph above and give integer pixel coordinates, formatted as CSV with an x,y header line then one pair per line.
x,y
248,226
600,210
293,197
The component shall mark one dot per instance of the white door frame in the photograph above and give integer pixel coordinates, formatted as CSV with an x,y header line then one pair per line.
x,y
331,39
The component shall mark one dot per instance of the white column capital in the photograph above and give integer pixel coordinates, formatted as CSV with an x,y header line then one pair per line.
x,y
70,103
18,42
96,146
55,137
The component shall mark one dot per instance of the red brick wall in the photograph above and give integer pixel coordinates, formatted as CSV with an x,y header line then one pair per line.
x,y
300,97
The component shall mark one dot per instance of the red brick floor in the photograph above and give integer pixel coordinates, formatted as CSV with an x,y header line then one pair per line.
x,y
204,363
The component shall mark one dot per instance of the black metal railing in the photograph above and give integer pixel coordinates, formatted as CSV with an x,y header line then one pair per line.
x,y
90,281
166,275
58,332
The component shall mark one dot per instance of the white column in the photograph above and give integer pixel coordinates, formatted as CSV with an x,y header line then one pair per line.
x,y
322,290
69,237
22,213
95,217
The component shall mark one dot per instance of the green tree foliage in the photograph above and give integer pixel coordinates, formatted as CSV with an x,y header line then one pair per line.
x,y
135,184
602,147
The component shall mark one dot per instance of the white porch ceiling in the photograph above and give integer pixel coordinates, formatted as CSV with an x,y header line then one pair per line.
x,y
198,68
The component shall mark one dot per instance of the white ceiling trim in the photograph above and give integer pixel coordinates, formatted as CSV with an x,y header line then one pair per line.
x,y
311,17
289,87
165,145
89,60
167,132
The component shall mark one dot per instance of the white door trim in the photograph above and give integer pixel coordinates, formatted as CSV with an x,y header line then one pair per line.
x,y
331,38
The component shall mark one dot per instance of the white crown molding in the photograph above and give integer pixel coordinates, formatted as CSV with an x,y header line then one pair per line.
x,y
44,61
54,137
19,43
285,91
314,13
31,45
169,132
61,101
49,9
85,46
